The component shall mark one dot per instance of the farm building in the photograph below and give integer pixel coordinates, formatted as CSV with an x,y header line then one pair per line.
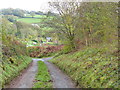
x,y
49,39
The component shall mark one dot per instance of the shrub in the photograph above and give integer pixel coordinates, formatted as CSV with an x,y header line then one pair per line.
x,y
43,51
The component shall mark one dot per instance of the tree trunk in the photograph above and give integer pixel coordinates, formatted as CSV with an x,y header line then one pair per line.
x,y
86,40
72,42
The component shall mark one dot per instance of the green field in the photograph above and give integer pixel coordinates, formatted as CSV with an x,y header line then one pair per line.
x,y
29,20
35,19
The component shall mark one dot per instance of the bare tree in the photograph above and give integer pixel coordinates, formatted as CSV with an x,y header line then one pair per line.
x,y
67,11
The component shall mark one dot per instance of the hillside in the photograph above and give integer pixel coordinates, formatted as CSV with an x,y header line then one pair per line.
x,y
91,67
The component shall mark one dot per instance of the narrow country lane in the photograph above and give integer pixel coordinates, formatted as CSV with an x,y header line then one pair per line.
x,y
26,79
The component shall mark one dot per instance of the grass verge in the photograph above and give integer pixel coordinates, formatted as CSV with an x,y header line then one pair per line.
x,y
12,68
42,79
90,68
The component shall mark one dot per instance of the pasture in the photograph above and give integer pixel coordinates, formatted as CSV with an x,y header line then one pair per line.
x,y
29,19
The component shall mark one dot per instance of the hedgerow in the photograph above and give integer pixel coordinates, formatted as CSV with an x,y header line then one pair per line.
x,y
14,59
38,51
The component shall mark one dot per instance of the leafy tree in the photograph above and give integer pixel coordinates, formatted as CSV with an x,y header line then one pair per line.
x,y
32,14
15,12
11,18
99,21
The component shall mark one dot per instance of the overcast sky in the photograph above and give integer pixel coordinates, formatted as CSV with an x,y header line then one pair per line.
x,y
35,5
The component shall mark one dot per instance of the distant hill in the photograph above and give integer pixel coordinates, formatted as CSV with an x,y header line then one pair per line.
x,y
19,12
24,15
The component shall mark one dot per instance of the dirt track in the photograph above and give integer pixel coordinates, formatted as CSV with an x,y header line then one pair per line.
x,y
26,79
